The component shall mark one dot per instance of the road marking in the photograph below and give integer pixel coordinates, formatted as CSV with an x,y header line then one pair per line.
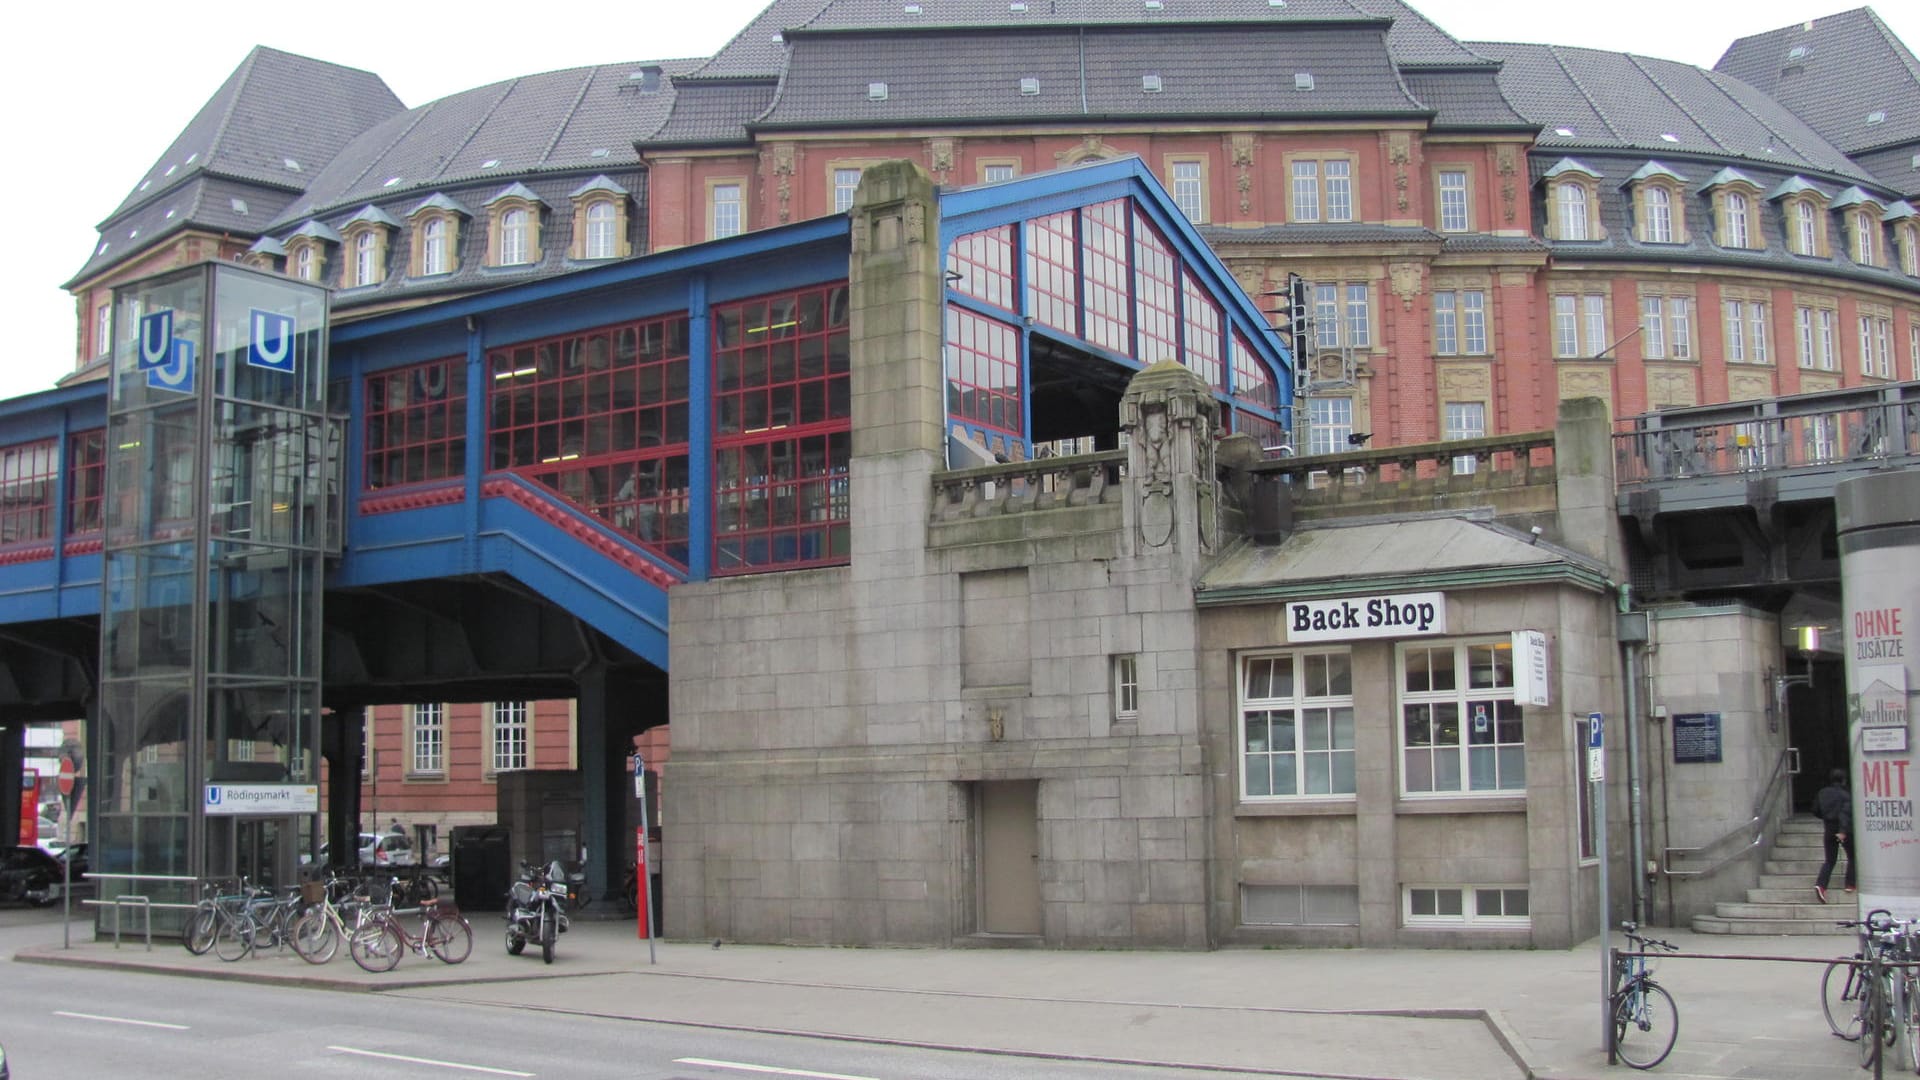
x,y
712,1064
429,1061
121,1020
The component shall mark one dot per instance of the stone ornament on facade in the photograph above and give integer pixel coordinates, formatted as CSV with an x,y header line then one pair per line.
x,y
1169,418
783,164
1400,152
940,157
1509,166
1406,282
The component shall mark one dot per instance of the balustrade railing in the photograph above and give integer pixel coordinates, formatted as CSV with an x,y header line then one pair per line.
x,y
1018,487
1488,463
1764,443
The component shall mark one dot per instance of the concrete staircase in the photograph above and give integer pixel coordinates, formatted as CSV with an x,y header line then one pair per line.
x,y
1785,903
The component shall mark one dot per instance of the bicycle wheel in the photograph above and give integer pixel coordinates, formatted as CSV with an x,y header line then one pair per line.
x,y
265,926
1645,1023
1876,1028
1909,1017
313,936
426,887
1840,999
376,948
234,937
198,935
450,937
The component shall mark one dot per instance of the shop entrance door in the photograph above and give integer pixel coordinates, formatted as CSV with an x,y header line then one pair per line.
x,y
1817,727
1009,857
260,849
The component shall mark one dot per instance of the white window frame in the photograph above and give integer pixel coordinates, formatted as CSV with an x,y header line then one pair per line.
x,y
1580,319
1745,324
1189,183
1666,327
727,216
845,182
1806,228
995,172
1126,686
427,740
1658,203
511,731
1864,228
1454,212
1913,346
1304,709
1463,697
1342,315
1570,200
303,263
1329,422
103,330
1469,915
365,249
1463,420
433,247
513,237
1306,190
1460,322
1322,190
1737,208
602,218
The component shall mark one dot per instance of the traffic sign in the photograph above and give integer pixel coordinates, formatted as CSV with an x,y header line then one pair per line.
x,y
1596,723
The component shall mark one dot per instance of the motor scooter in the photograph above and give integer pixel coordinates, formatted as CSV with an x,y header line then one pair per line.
x,y
537,909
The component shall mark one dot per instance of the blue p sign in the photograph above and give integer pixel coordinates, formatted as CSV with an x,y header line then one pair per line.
x,y
1595,726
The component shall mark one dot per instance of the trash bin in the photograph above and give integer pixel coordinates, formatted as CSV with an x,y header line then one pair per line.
x,y
482,866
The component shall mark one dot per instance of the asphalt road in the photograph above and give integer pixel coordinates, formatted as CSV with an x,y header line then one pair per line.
x,y
79,1024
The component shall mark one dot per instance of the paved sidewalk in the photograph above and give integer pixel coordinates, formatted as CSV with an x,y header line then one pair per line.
x,y
1388,1014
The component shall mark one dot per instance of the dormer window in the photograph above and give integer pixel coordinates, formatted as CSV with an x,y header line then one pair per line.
x,y
1659,204
1806,227
1737,220
600,220
436,236
1573,202
307,249
1866,231
1571,198
1659,220
305,265
1804,210
365,237
513,223
366,258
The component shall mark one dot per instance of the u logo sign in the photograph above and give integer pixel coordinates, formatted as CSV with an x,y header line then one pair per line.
x,y
156,340
270,343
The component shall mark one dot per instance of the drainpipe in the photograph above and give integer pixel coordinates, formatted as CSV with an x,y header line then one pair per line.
x,y
1629,655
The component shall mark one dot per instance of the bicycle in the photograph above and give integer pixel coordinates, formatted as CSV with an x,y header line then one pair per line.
x,y
318,931
1645,1019
380,942
1880,991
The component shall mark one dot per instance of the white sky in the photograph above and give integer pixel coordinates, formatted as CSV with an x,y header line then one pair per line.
x,y
100,90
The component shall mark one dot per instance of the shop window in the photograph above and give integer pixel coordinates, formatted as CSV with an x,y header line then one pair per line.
x,y
1460,322
1465,905
28,475
1296,725
508,748
87,480
1460,728
782,439
600,418
429,741
416,424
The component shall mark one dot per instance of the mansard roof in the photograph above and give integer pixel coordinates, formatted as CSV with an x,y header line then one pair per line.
x,y
206,202
1620,100
708,111
977,74
1836,73
1465,99
577,118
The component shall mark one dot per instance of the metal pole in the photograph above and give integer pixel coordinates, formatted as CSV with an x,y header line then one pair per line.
x,y
644,872
66,898
1596,751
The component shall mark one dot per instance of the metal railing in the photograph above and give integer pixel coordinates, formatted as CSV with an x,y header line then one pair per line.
x,y
1022,486
1864,426
1747,835
145,902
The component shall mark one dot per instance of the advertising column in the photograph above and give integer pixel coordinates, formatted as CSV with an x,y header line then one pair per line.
x,y
1879,533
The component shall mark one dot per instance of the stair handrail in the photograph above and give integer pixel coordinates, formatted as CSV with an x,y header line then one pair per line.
x,y
1754,829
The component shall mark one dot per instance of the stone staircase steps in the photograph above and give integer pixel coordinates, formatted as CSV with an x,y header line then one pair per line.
x,y
1784,903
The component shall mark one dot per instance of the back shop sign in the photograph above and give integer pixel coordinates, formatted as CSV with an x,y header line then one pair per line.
x,y
1353,617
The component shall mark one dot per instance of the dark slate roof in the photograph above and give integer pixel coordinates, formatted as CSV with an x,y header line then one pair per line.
x,y
1619,100
574,119
244,129
204,202
1221,236
1616,217
976,75
556,240
1898,168
707,111
1464,243
1417,42
1852,66
758,49
1465,99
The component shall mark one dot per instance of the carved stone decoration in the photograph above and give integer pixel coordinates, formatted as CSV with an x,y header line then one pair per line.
x,y
1464,381
1509,165
1406,282
1748,385
1400,153
1580,382
916,228
940,157
1091,148
783,173
1242,147
1170,418
1671,387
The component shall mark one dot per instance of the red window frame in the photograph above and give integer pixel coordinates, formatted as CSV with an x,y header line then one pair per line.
x,y
1156,306
1052,268
1105,274
86,481
600,417
28,473
416,424
983,373
1202,317
782,431
1252,382
984,262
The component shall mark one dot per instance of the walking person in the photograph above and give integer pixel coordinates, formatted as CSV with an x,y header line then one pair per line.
x,y
1834,804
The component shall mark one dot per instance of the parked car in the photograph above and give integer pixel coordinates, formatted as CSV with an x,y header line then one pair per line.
x,y
386,849
29,874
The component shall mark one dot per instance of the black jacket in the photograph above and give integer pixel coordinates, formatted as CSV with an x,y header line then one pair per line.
x,y
1835,807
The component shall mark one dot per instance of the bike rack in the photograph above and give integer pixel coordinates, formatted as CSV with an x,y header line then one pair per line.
x,y
146,911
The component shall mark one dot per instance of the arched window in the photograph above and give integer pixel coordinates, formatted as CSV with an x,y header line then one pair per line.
x,y
1805,229
513,238
433,250
365,254
1864,228
1572,204
1659,207
600,237
1739,231
303,263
